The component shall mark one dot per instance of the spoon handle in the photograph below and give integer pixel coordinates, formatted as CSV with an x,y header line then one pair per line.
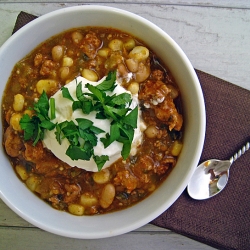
x,y
240,152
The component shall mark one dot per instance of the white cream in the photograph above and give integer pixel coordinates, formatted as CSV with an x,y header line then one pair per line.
x,y
64,112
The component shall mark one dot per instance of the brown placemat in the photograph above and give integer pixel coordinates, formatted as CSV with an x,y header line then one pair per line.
x,y
223,221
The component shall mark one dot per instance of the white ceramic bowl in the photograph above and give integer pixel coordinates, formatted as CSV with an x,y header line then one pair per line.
x,y
22,201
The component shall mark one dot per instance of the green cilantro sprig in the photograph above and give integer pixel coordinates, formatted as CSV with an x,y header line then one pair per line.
x,y
35,126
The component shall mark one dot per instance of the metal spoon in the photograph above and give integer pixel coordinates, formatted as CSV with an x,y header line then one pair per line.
x,y
211,176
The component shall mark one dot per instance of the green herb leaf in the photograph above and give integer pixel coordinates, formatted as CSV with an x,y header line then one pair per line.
x,y
87,106
52,108
85,130
109,83
97,93
100,161
79,94
126,149
70,131
76,105
84,123
84,101
113,136
58,133
28,126
39,135
47,125
122,99
100,115
78,153
34,127
109,113
131,118
66,94
96,130
42,106
116,111
127,132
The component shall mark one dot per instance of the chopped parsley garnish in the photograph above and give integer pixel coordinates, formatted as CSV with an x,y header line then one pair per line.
x,y
82,135
82,139
35,126
52,108
114,107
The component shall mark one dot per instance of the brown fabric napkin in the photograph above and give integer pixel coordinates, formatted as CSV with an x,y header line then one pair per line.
x,y
223,221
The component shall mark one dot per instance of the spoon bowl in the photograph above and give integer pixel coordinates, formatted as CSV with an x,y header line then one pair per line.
x,y
209,179
211,176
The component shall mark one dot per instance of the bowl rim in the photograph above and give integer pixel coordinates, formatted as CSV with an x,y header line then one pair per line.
x,y
198,149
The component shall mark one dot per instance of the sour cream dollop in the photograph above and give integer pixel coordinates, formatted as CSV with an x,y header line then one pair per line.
x,y
63,111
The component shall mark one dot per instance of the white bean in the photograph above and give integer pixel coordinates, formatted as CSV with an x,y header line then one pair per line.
x,y
143,73
67,62
64,72
76,209
18,102
107,195
90,75
176,148
32,182
122,69
151,131
45,85
115,44
88,200
129,44
104,52
132,64
15,121
102,176
134,88
139,53
57,53
29,112
21,171
113,61
76,36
